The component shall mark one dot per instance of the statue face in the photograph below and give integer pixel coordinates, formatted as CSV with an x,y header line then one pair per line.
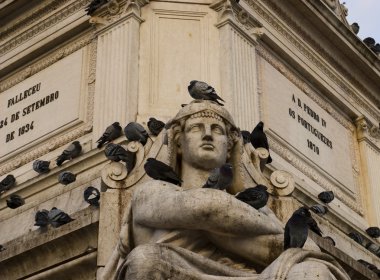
x,y
203,143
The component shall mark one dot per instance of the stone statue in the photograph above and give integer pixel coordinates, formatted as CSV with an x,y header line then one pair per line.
x,y
190,232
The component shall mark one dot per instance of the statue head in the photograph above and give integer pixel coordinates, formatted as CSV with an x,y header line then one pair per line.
x,y
202,134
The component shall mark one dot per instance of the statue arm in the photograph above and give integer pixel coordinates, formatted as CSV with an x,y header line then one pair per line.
x,y
158,204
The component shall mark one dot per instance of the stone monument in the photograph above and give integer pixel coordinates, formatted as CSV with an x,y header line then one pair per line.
x,y
188,232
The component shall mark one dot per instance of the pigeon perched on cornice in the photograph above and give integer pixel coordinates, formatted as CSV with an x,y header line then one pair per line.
x,y
72,151
136,132
319,209
259,139
7,183
117,153
111,133
326,196
66,177
41,166
369,41
203,91
355,27
374,232
220,178
257,196
155,126
91,195
58,218
296,229
376,48
41,218
357,237
159,170
94,5
14,201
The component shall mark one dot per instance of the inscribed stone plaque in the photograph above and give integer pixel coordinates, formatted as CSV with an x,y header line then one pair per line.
x,y
307,127
40,105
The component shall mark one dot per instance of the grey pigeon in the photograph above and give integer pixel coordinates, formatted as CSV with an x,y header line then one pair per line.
x,y
376,48
15,201
91,195
326,197
246,135
259,139
357,237
319,209
203,91
41,218
72,151
370,42
257,196
66,177
367,264
373,248
136,132
41,166
94,5
296,229
313,226
58,218
330,239
355,27
160,171
373,232
155,126
220,178
7,183
112,132
117,153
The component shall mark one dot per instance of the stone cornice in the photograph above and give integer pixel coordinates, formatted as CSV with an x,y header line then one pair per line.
x,y
43,25
312,56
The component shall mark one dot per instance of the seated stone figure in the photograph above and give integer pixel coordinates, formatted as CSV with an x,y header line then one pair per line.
x,y
190,232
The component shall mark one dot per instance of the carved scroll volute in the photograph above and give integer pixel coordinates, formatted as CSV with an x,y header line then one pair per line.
x,y
282,183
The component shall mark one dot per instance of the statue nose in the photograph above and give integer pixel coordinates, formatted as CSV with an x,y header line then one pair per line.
x,y
207,136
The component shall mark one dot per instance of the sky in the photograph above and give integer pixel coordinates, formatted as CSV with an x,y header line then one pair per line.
x,y
367,14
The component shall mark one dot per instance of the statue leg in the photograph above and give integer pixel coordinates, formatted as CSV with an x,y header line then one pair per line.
x,y
310,270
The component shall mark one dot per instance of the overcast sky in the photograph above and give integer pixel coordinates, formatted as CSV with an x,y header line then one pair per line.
x,y
367,14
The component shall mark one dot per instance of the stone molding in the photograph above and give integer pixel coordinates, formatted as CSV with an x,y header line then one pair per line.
x,y
368,132
310,54
64,137
296,160
43,25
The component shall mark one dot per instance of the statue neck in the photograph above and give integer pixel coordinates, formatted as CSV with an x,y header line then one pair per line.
x,y
193,177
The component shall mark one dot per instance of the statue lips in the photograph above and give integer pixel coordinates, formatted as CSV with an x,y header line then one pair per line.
x,y
207,146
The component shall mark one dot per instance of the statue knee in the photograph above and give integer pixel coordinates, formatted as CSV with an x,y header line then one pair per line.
x,y
309,270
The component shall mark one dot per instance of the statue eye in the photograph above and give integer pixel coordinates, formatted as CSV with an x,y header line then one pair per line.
x,y
218,129
195,128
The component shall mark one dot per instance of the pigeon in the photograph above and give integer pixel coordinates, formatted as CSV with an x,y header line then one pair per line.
x,y
357,237
369,41
367,264
296,229
259,139
257,196
319,209
58,218
373,248
41,218
94,5
201,90
326,197
92,195
220,178
160,171
72,151
373,232
136,132
330,240
376,48
66,177
313,226
112,132
41,166
246,136
7,183
355,27
2,248
117,153
15,201
155,126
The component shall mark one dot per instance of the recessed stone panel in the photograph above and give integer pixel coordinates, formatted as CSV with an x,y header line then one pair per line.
x,y
304,125
41,105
